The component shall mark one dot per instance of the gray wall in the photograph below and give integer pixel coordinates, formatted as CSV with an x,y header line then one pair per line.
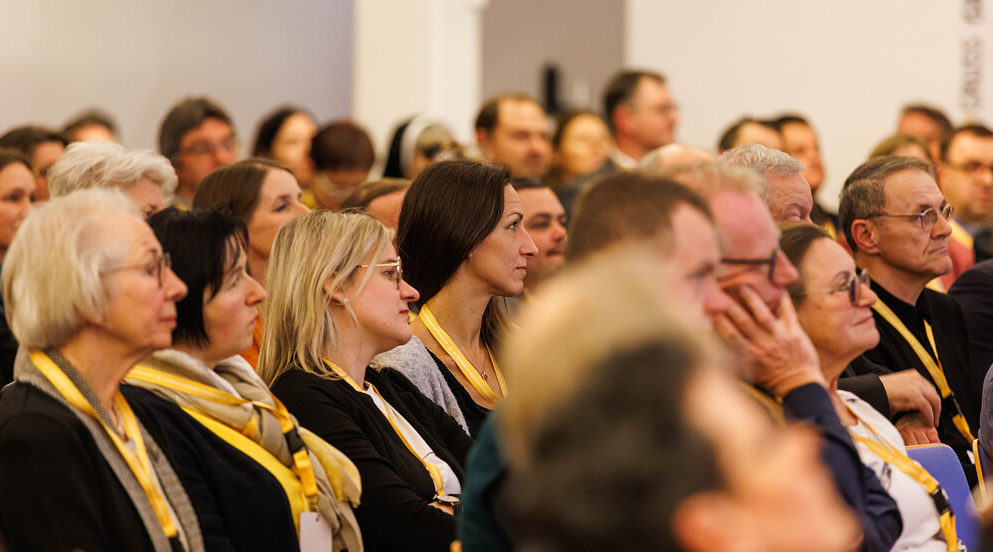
x,y
136,59
585,39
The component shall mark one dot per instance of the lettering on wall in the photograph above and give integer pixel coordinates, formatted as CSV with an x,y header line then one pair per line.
x,y
972,60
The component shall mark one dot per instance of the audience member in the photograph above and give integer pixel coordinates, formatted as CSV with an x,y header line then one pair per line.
x,y
973,291
42,147
17,189
896,222
786,191
673,154
902,145
463,245
927,123
966,180
197,136
418,142
512,130
777,360
546,222
750,131
89,293
801,143
343,156
380,198
286,136
91,126
337,298
641,115
626,398
580,146
253,474
143,175
833,303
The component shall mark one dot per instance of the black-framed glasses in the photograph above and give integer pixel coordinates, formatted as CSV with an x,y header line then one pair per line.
x,y
972,168
853,286
771,261
927,217
397,274
156,267
206,148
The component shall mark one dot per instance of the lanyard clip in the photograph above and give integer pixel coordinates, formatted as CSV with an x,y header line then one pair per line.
x,y
940,500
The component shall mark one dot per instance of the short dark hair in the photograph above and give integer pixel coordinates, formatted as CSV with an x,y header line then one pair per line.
x,y
626,206
342,145
185,116
91,117
977,130
520,183
450,208
204,244
26,138
863,194
564,119
795,241
489,114
779,122
602,439
730,135
369,191
269,128
621,89
236,187
9,156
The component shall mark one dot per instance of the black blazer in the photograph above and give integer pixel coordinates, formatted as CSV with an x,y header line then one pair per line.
x,y
396,488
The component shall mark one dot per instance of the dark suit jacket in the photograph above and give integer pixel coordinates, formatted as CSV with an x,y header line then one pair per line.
x,y
973,290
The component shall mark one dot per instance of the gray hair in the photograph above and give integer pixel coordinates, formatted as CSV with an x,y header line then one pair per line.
x,y
673,154
108,165
52,274
714,178
762,160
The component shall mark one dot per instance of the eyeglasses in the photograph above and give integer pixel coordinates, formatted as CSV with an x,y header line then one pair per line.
x,y
973,168
154,268
207,148
853,286
771,261
927,217
397,275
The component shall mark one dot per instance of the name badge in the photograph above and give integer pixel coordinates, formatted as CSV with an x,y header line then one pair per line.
x,y
315,534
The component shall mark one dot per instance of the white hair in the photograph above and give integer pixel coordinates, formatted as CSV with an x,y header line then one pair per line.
x,y
108,165
52,274
763,161
673,154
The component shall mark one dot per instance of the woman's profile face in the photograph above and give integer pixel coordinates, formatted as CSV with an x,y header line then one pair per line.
x,y
280,200
17,189
499,262
380,306
291,145
838,329
142,293
229,316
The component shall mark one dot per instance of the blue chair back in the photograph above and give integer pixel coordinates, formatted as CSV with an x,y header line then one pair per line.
x,y
942,463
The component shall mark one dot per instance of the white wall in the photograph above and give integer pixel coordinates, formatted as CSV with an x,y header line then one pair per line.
x,y
135,59
849,65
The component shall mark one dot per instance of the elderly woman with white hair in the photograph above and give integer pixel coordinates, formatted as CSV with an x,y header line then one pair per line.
x,y
89,293
143,175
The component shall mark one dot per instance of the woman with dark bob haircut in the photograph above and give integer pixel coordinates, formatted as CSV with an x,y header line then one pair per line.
x,y
462,244
285,136
253,474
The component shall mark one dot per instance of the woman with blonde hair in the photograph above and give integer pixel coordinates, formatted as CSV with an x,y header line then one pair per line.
x,y
336,298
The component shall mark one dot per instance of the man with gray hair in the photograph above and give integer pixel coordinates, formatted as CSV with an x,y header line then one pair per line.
x,y
143,175
896,221
786,191
671,155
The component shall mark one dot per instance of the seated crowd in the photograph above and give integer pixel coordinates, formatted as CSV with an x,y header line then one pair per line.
x,y
595,338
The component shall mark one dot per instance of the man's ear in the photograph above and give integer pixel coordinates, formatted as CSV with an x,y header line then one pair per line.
x,y
866,236
622,118
482,138
708,522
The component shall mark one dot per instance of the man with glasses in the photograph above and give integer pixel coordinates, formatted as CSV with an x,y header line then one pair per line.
x,y
966,179
197,136
896,221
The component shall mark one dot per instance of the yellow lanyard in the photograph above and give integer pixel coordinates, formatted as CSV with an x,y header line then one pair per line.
x,y
894,457
463,363
138,460
933,365
774,406
301,459
960,234
433,470
828,227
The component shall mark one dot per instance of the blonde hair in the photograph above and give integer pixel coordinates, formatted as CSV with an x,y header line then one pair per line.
x,y
107,165
315,250
53,272
566,331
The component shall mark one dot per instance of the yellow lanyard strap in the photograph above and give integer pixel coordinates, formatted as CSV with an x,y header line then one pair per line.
x,y
137,461
463,363
933,365
893,456
960,234
773,405
432,469
301,459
